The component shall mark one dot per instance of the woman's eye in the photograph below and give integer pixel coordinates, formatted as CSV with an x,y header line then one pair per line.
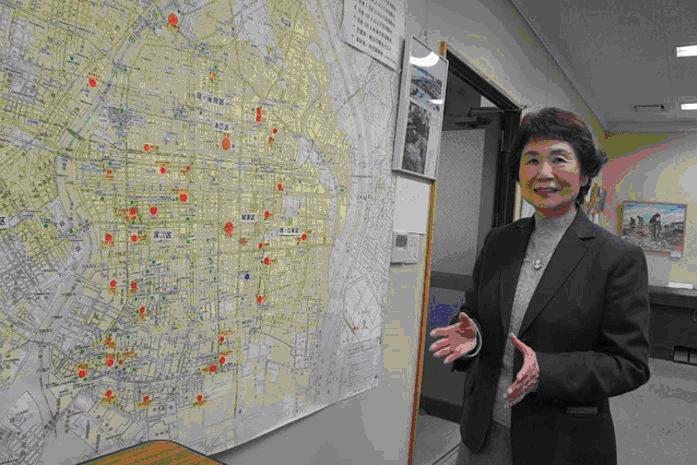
x,y
532,161
560,160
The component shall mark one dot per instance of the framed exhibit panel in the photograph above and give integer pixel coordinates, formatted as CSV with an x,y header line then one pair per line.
x,y
655,226
421,106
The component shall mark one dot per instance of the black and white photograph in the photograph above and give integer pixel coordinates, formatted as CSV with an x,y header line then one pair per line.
x,y
416,141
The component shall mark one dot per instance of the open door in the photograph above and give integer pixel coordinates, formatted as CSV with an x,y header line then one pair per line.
x,y
473,193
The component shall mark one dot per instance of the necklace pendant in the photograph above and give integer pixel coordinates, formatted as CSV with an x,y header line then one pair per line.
x,y
537,264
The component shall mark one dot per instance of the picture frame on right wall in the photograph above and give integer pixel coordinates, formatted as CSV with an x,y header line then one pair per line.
x,y
656,227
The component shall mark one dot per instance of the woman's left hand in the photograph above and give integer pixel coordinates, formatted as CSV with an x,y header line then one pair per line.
x,y
526,378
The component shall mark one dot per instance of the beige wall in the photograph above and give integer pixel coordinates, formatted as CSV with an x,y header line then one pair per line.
x,y
662,170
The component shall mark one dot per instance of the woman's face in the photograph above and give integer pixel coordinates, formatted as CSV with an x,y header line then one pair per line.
x,y
550,176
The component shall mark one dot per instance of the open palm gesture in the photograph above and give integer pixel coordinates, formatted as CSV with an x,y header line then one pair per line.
x,y
456,339
527,377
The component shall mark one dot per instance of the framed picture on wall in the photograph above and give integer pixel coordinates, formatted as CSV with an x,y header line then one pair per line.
x,y
594,203
654,226
421,107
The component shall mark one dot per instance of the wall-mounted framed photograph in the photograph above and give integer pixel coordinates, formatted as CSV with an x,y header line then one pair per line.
x,y
656,227
420,114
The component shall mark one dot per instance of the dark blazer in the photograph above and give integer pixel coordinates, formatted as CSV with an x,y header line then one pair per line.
x,y
588,324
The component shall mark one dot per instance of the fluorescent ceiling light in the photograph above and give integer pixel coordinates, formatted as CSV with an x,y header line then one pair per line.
x,y
688,106
430,60
437,101
686,51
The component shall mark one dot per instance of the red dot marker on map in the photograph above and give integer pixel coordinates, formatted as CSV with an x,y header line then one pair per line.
x,y
226,143
279,186
229,228
134,238
222,360
147,147
274,130
142,310
109,361
133,211
82,374
213,368
221,339
199,398
146,398
304,236
92,82
163,170
183,197
172,20
108,393
112,284
108,237
120,361
260,299
266,215
259,115
153,210
267,261
134,285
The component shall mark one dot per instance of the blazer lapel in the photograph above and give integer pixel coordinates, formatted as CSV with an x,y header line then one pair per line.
x,y
569,252
512,251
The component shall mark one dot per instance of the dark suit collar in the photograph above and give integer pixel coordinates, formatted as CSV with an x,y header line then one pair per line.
x,y
569,251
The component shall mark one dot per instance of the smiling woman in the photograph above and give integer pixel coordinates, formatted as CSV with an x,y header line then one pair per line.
x,y
556,320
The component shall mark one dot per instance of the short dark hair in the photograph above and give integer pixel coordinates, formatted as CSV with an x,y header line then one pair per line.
x,y
554,123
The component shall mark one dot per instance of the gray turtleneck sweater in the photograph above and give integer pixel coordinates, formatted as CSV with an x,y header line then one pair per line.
x,y
544,239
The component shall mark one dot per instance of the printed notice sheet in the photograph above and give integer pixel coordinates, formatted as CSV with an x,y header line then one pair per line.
x,y
375,27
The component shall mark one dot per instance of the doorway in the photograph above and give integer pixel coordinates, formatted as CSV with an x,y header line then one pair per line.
x,y
473,194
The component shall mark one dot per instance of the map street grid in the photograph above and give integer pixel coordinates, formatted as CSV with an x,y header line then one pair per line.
x,y
195,215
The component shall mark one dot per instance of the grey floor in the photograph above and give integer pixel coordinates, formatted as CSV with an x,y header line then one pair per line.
x,y
654,425
436,442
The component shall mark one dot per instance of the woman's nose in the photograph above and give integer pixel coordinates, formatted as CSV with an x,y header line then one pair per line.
x,y
546,169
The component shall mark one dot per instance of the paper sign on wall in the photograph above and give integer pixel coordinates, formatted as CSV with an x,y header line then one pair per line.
x,y
375,27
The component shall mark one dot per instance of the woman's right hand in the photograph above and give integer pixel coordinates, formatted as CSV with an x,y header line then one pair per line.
x,y
456,339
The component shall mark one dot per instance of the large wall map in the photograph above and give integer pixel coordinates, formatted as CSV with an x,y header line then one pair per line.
x,y
195,215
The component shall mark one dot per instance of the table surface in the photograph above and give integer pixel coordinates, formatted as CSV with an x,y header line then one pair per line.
x,y
157,452
673,291
680,299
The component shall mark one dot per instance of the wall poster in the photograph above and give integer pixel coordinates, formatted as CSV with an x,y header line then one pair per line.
x,y
186,250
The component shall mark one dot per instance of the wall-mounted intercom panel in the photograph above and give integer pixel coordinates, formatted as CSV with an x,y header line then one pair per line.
x,y
405,247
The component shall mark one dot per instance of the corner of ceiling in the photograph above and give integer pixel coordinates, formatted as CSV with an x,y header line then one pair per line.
x,y
563,66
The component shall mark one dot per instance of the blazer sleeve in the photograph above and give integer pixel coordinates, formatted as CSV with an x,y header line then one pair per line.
x,y
470,307
619,362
